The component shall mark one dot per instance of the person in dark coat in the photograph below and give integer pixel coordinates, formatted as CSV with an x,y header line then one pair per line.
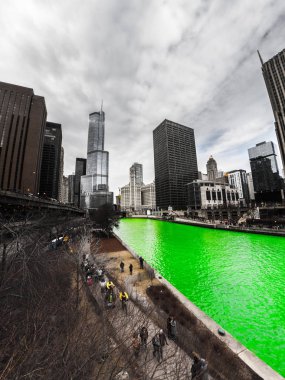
x,y
122,266
199,370
131,269
143,336
163,341
156,347
141,262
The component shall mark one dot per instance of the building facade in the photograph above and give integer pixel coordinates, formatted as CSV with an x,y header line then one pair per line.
x,y
267,183
80,170
212,169
213,200
274,76
250,187
175,164
238,179
22,126
49,182
60,179
135,196
65,190
71,187
94,188
148,197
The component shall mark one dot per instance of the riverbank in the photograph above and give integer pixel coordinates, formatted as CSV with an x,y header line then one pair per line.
x,y
225,355
218,226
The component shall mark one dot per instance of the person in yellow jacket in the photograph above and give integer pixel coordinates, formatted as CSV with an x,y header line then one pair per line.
x,y
110,285
124,298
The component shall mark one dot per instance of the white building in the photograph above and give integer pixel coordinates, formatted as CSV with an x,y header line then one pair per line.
x,y
250,186
238,179
148,196
135,196
210,194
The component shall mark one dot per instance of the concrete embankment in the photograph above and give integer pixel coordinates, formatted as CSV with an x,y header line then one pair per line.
x,y
224,227
232,356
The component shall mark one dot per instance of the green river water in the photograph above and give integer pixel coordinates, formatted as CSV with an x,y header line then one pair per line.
x,y
236,278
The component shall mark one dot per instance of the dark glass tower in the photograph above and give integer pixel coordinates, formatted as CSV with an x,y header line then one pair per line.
x,y
80,170
267,183
175,163
49,182
274,77
94,190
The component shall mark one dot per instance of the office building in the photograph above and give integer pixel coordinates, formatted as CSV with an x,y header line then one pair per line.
x,y
274,77
60,176
267,183
212,170
212,200
49,182
136,196
250,186
175,164
71,187
95,184
22,126
65,190
238,179
80,170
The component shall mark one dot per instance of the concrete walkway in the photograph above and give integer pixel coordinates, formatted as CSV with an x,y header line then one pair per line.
x,y
176,364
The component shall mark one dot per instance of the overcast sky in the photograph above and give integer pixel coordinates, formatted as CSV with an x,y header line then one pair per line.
x,y
193,62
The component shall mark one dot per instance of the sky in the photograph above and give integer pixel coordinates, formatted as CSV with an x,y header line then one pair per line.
x,y
192,62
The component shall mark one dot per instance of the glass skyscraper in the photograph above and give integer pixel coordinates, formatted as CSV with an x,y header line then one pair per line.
x,y
94,185
274,77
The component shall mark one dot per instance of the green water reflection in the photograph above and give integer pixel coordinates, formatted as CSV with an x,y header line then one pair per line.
x,y
236,278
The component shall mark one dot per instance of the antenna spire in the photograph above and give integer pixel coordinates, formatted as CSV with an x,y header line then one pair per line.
x,y
101,105
261,60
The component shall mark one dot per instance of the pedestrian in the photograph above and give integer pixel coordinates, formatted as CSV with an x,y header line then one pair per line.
x,y
122,266
141,262
136,345
143,336
169,326
110,285
124,299
156,347
103,286
131,269
162,338
199,369
173,329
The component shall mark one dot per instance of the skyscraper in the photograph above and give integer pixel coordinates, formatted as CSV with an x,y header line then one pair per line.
x,y
267,183
22,125
274,77
175,163
212,170
51,160
136,182
94,185
80,170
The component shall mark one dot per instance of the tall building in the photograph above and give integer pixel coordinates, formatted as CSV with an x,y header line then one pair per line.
x,y
250,186
22,125
71,187
238,179
51,160
136,182
175,163
95,184
65,189
80,170
212,169
267,183
136,196
274,77
60,176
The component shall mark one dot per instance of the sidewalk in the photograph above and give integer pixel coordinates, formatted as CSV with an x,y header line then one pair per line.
x,y
176,364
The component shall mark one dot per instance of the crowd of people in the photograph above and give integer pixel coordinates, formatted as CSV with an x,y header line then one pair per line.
x,y
160,339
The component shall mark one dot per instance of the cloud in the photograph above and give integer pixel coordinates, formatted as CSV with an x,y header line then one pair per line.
x,y
191,62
